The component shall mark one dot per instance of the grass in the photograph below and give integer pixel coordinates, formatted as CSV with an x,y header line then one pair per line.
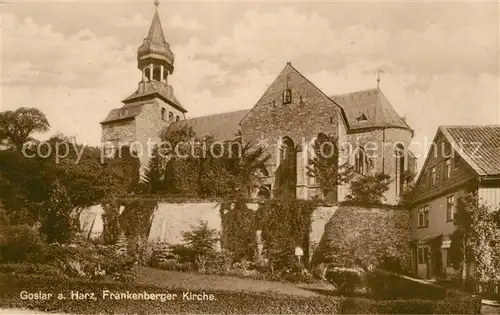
x,y
233,296
195,281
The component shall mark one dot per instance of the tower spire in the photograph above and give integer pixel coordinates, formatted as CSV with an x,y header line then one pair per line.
x,y
155,50
379,71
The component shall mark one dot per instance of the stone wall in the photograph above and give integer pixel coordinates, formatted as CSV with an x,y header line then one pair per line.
x,y
365,233
119,132
332,227
310,112
375,147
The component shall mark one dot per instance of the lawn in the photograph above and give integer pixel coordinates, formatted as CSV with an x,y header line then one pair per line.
x,y
200,282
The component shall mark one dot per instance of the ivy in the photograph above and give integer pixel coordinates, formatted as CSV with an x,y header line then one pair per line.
x,y
285,225
476,239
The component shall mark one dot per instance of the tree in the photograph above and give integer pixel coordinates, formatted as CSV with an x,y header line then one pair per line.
x,y
202,240
369,189
17,126
408,186
475,240
324,166
154,177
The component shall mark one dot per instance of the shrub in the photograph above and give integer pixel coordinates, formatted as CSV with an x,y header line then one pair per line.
x,y
184,253
30,268
346,280
319,271
90,261
21,243
161,253
174,265
385,285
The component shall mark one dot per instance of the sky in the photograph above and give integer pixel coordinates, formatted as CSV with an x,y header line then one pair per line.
x,y
76,60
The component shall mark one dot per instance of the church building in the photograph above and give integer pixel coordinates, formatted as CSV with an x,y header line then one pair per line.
x,y
288,117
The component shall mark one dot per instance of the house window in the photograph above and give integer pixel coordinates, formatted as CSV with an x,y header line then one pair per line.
x,y
433,176
177,118
163,113
447,169
423,217
450,208
422,253
456,161
359,161
170,116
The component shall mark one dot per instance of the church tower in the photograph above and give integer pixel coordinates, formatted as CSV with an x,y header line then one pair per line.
x,y
153,106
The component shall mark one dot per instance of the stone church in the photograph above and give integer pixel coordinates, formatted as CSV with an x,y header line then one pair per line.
x,y
292,109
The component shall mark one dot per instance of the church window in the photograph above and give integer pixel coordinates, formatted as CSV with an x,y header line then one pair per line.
x,y
287,96
400,168
286,174
177,118
147,72
170,116
163,113
359,161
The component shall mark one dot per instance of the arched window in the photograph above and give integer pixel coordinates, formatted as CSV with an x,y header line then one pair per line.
x,y
163,113
147,73
399,154
170,116
177,118
286,174
157,74
359,161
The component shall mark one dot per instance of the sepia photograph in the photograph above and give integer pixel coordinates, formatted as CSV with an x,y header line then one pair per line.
x,y
249,157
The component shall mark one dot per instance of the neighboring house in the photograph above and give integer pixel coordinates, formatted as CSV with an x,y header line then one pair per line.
x,y
292,109
462,159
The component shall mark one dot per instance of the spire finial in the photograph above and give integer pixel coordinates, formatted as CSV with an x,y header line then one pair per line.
x,y
379,71
157,3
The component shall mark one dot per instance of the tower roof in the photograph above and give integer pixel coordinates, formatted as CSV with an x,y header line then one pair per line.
x,y
155,46
369,109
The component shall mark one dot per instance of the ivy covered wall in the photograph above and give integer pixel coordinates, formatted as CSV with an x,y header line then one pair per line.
x,y
367,237
334,233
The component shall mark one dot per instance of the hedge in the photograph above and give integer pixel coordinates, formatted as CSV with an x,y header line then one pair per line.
x,y
226,301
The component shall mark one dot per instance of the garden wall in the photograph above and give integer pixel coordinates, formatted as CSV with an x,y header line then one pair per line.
x,y
369,234
335,230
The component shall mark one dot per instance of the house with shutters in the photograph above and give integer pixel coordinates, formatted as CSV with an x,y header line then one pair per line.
x,y
461,160
288,117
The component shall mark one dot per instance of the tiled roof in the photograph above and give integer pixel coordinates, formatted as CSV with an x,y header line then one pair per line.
x,y
369,109
479,146
153,89
125,112
223,126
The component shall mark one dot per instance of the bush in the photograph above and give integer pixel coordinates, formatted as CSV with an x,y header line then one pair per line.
x,y
30,268
319,272
21,243
385,285
90,262
174,265
346,280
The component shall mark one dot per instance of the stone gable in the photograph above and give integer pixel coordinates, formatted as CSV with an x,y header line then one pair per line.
x,y
310,111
